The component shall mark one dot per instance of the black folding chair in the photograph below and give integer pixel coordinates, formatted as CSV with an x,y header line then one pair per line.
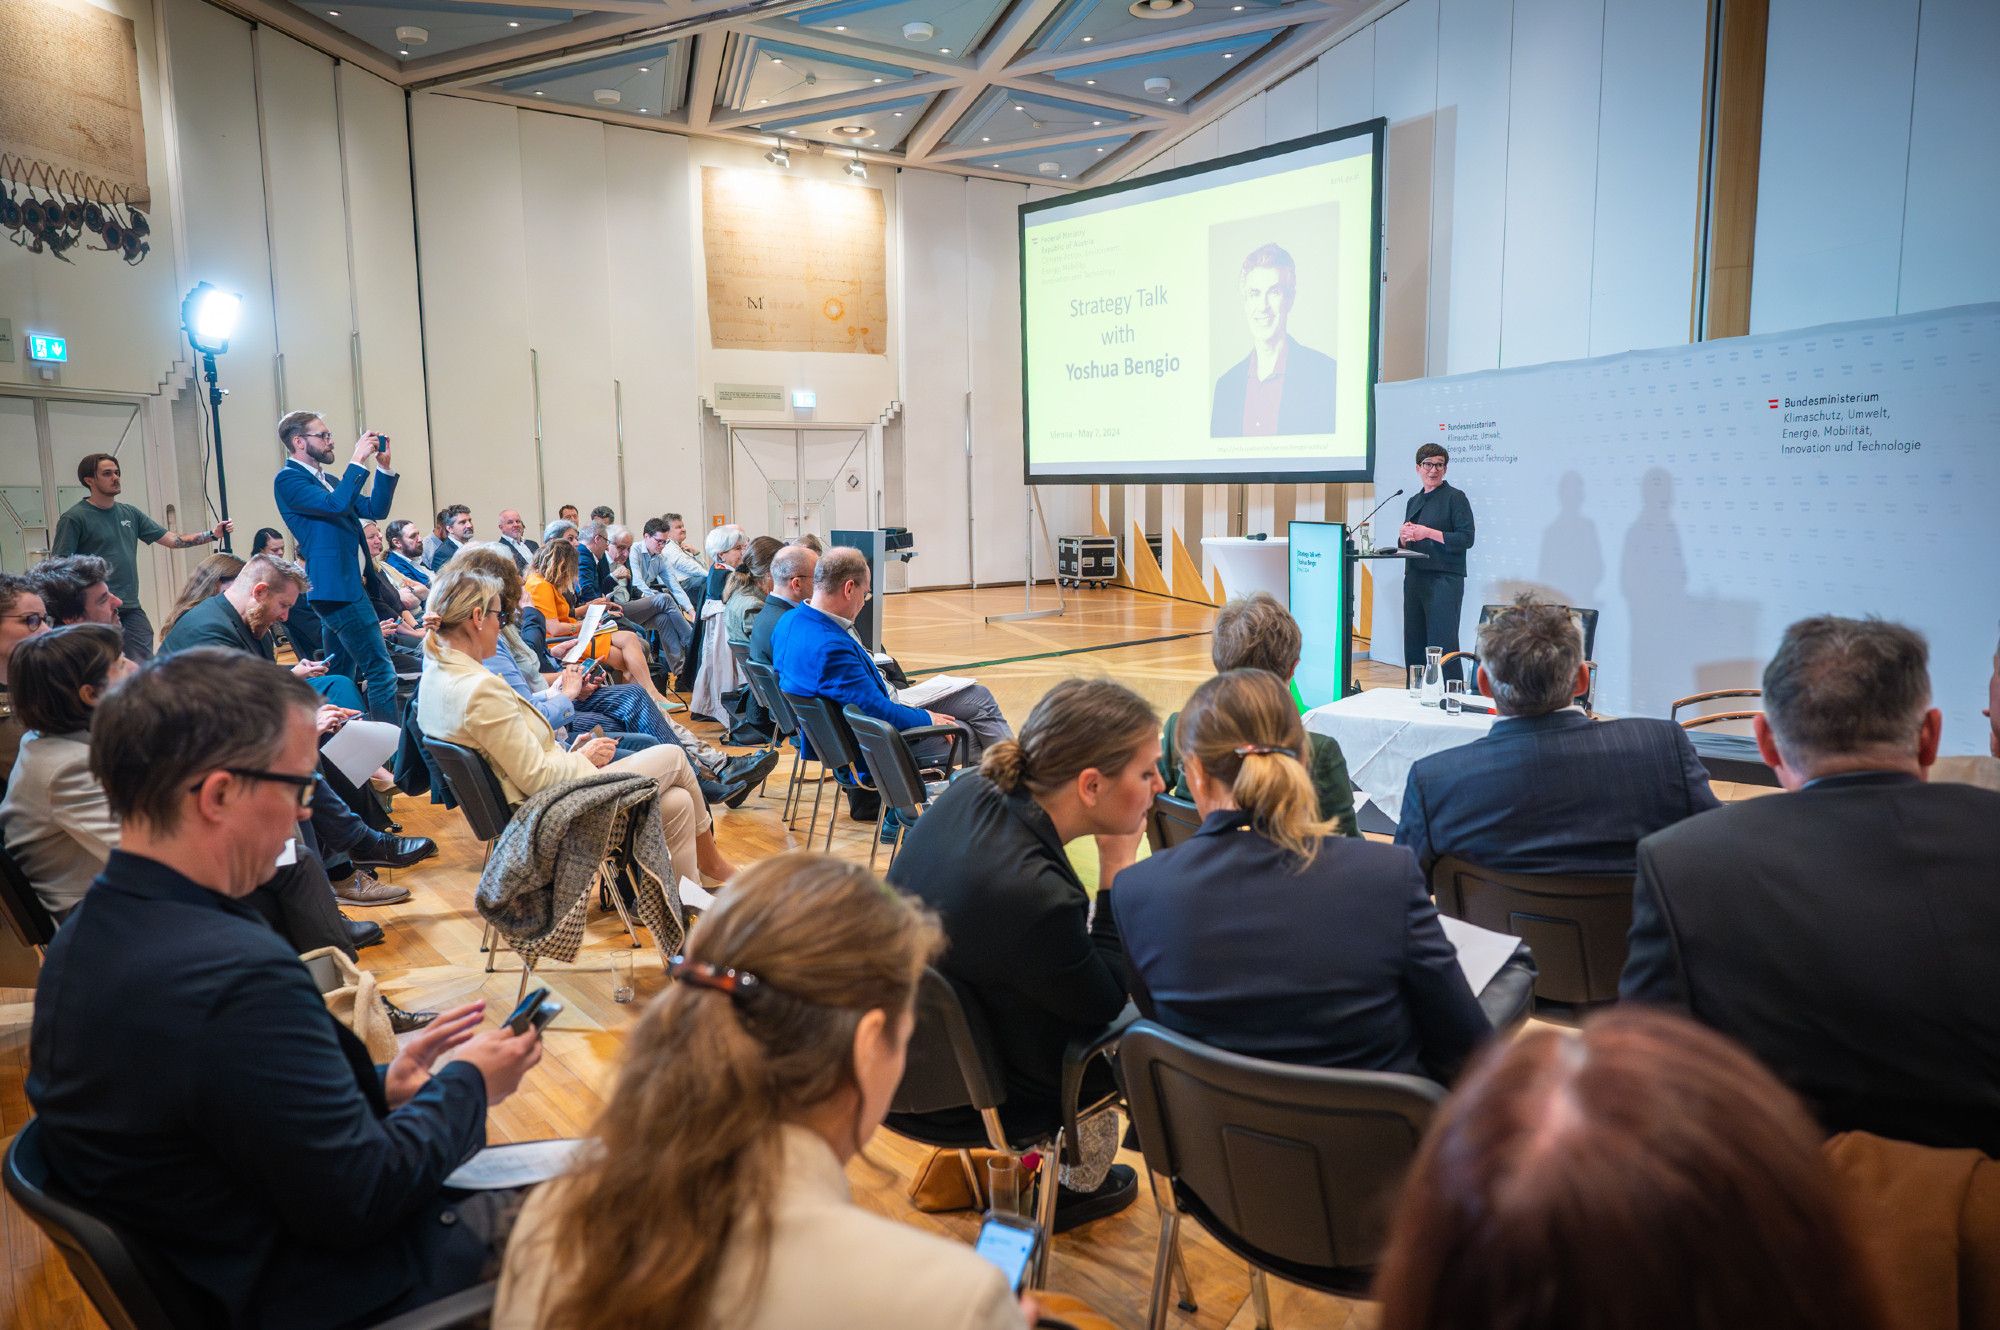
x,y
1576,924
1293,1168
895,771
484,802
953,1062
27,918
765,681
134,1288
1170,821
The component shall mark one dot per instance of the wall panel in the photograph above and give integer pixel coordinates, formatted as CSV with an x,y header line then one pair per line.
x,y
1406,93
1469,181
993,363
1948,255
932,212
1291,109
1346,78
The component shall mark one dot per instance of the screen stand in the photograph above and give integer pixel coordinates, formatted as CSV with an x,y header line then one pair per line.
x,y
1028,610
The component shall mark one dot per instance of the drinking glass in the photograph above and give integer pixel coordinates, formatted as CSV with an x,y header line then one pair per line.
x,y
1454,696
621,975
1416,683
1004,1181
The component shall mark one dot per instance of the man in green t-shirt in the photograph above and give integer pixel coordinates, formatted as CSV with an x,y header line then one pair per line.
x,y
111,530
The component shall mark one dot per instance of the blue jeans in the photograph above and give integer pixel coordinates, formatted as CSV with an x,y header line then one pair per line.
x,y
356,649
339,690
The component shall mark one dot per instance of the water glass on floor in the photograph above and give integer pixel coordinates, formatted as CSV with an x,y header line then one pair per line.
x,y
621,976
1004,1183
1454,696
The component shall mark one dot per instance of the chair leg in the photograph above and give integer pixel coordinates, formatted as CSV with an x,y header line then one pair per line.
x,y
1181,1279
813,821
794,796
832,817
1045,1205
625,915
875,837
1163,1263
489,944
1260,1290
971,1175
527,968
896,846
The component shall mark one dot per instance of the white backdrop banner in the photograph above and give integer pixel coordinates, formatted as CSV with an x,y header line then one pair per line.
x,y
1704,497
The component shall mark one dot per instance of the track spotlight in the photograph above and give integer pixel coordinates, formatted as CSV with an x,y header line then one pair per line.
x,y
856,169
780,156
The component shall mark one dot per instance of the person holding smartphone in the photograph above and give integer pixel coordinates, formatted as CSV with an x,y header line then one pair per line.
x,y
745,1089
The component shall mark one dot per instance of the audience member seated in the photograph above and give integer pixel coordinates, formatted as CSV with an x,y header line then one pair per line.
x,y
22,615
210,577
219,608
573,699
553,569
405,556
1255,632
463,702
988,856
716,1169
593,567
514,538
726,547
653,609
455,525
743,600
1548,789
190,1084
1642,1175
268,540
75,589
59,826
395,606
653,584
1844,930
347,821
1268,935
792,569
303,629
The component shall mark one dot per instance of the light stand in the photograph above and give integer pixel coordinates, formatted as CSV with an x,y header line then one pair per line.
x,y
1028,610
208,316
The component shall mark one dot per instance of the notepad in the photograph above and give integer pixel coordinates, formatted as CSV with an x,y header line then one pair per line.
x,y
933,689
1481,951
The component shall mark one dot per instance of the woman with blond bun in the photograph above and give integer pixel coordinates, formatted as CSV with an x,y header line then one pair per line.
x,y
712,1193
988,857
1268,934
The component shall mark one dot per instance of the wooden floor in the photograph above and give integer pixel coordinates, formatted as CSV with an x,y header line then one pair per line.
x,y
432,958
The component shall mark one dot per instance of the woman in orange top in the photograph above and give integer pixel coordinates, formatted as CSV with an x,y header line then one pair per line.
x,y
549,576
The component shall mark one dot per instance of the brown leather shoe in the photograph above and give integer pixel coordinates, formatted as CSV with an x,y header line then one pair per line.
x,y
364,889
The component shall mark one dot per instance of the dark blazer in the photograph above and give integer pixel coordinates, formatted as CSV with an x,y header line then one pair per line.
x,y
588,585
816,657
765,626
192,1087
326,525
215,623
1447,509
1307,406
1560,793
442,554
1846,933
1342,965
1017,926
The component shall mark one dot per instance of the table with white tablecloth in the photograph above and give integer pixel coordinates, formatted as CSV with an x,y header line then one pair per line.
x,y
1382,732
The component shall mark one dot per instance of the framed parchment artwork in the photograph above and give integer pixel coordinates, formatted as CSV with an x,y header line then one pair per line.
x,y
69,92
794,265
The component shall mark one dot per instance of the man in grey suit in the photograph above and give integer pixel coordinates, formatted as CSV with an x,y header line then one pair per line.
x,y
1548,789
1844,931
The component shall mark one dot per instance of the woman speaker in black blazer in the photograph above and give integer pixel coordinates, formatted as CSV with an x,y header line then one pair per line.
x,y
1268,935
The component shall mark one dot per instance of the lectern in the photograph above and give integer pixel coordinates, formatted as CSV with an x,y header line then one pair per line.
x,y
1352,556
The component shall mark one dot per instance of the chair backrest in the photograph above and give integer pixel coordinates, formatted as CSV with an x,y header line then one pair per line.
x,y
832,742
1296,1168
891,765
28,919
131,1288
1679,704
477,789
952,1060
1170,821
1575,925
1586,623
765,681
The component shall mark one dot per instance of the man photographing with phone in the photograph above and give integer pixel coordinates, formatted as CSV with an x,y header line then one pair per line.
x,y
325,518
188,1081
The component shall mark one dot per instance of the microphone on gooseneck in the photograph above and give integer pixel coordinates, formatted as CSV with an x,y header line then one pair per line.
x,y
1377,508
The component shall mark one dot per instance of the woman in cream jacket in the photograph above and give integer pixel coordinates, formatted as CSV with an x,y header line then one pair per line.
x,y
463,702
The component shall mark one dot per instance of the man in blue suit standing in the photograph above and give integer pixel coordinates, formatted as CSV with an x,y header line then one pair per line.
x,y
325,518
1548,789
816,654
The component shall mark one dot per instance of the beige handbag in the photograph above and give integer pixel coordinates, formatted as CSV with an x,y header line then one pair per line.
x,y
351,996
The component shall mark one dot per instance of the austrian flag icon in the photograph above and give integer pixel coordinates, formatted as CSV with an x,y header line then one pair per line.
x,y
1771,402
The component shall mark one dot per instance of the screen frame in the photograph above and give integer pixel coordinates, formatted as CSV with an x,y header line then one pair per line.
x,y
1377,128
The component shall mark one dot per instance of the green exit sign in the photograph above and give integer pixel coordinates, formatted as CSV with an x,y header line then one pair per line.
x,y
41,346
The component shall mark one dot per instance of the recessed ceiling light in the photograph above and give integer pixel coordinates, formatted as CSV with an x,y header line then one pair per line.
x,y
851,131
333,13
645,69
776,61
840,27
1097,122
402,53
540,93
1236,9
878,80
512,24
984,139
1173,99
899,115
763,101
944,50
1065,175
918,31
1019,107
1092,82
1228,55
1090,39
1100,150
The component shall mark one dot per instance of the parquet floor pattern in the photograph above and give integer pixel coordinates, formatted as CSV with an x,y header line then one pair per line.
x,y
432,959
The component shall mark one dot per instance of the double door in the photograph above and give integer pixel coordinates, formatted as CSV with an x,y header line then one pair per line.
x,y
786,482
41,441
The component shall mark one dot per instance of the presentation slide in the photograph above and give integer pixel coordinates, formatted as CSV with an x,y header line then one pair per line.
x,y
1216,322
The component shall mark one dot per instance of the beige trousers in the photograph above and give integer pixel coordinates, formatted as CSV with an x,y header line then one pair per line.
x,y
683,812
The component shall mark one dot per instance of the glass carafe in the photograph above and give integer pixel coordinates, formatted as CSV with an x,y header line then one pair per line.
x,y
1433,676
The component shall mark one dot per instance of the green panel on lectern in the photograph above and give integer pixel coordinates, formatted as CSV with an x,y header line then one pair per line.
x,y
1319,599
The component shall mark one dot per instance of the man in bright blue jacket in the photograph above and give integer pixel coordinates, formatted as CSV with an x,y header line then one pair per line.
x,y
817,655
325,518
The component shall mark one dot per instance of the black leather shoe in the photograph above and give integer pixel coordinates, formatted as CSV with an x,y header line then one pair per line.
x,y
862,805
402,1022
750,768
395,852
362,933
1120,1189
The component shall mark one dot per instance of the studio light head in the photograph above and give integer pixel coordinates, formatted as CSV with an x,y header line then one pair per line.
x,y
209,315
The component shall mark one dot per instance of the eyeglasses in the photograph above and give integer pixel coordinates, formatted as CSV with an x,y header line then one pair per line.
x,y
317,434
31,621
1431,466
304,784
